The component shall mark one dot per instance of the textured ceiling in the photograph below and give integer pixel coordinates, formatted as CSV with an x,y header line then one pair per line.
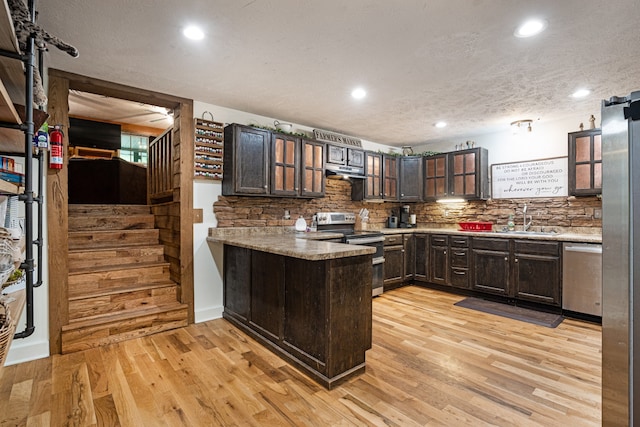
x,y
421,61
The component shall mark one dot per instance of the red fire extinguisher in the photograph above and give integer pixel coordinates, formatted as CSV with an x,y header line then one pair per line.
x,y
55,145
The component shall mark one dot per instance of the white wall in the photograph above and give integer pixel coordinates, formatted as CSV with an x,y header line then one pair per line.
x,y
546,140
35,346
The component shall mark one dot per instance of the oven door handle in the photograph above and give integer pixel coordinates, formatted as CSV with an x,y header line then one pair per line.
x,y
379,260
365,240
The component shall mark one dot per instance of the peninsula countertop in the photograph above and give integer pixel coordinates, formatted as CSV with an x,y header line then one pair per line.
x,y
280,241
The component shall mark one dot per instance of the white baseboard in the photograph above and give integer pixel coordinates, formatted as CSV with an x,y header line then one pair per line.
x,y
208,313
27,352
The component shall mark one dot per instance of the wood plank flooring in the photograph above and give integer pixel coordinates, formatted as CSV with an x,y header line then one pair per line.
x,y
432,364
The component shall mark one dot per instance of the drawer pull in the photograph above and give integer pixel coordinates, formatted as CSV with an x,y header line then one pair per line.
x,y
460,273
459,253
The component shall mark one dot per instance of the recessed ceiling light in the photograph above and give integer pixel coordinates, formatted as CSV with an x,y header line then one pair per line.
x,y
193,33
581,93
359,93
441,124
531,28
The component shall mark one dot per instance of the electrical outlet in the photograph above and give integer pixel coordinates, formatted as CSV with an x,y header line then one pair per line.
x,y
597,213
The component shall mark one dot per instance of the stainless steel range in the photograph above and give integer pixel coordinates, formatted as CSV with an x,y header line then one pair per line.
x,y
344,222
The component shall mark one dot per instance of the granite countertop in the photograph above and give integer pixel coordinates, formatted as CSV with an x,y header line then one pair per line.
x,y
556,237
287,243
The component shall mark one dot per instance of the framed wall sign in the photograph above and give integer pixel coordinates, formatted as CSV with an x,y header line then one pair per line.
x,y
536,178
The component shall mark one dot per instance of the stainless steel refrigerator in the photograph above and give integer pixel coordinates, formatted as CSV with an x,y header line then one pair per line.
x,y
621,261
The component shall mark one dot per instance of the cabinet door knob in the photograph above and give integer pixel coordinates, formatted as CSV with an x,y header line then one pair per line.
x,y
506,259
265,187
516,259
445,252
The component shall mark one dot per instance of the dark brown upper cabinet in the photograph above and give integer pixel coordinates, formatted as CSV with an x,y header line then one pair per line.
x,y
436,176
369,188
246,161
410,178
263,163
312,177
285,164
391,174
585,163
459,174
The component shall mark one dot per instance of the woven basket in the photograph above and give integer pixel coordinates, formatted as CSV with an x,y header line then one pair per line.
x,y
6,332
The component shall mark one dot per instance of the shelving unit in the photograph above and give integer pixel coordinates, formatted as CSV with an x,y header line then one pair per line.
x,y
16,139
209,149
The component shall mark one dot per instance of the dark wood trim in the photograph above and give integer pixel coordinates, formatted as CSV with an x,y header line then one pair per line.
x,y
60,82
116,90
185,141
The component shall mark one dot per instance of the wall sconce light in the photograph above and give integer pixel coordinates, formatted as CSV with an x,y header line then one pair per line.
x,y
520,125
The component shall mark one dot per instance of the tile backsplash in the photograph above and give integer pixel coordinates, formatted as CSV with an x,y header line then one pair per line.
x,y
563,214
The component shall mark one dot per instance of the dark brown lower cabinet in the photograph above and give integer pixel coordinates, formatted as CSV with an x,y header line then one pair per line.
x,y
491,266
538,271
393,266
409,244
438,259
314,314
422,257
394,256
523,269
459,262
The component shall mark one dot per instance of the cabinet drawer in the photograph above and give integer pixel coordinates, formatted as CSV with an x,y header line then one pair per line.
x,y
459,277
439,240
460,242
537,247
491,244
393,239
459,257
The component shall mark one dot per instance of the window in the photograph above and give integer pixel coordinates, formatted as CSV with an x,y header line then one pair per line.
x,y
133,148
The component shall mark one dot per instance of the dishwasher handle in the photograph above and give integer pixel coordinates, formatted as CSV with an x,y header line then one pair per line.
x,y
596,249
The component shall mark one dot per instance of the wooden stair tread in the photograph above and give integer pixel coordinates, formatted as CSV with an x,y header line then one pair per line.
x,y
101,209
100,269
107,232
74,296
111,222
113,238
153,246
104,320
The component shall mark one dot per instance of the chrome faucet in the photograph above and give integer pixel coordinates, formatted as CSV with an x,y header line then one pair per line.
x,y
525,224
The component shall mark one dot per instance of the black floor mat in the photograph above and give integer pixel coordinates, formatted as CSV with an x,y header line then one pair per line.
x,y
550,320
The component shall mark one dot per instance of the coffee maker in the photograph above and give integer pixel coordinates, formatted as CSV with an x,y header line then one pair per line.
x,y
406,219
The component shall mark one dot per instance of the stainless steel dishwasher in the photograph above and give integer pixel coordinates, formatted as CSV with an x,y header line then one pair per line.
x,y
582,278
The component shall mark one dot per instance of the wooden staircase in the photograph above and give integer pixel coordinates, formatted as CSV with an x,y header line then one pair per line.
x,y
119,285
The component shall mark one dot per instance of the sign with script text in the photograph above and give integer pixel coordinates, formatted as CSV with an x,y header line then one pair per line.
x,y
537,178
336,138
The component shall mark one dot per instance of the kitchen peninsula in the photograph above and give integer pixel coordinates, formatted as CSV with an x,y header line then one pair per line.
x,y
308,301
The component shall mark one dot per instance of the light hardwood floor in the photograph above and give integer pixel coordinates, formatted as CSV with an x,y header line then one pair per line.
x,y
431,364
